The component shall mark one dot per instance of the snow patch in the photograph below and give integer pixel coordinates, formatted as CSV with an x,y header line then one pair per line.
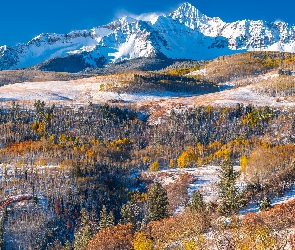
x,y
254,207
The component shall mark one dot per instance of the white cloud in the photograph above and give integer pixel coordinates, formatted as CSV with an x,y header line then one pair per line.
x,y
279,21
152,16
146,16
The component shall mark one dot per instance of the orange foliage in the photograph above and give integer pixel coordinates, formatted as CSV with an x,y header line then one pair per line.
x,y
185,225
118,237
280,217
22,147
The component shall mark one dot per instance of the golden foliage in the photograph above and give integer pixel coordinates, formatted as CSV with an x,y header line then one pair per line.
x,y
154,167
266,163
182,71
243,162
142,242
171,163
189,245
187,158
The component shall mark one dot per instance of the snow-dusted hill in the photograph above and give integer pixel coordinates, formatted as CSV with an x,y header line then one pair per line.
x,y
185,33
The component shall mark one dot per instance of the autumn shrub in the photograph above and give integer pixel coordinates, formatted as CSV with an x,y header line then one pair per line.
x,y
187,225
177,191
280,217
142,242
249,232
292,240
264,230
267,165
118,237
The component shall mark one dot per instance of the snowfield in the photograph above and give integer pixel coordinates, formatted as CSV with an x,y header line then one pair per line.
x,y
206,178
83,91
78,91
254,207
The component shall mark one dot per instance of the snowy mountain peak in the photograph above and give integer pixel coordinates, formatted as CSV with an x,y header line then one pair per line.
x,y
3,48
123,21
186,5
187,9
185,33
128,19
189,15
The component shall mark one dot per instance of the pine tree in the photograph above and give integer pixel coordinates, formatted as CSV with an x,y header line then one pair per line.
x,y
106,220
84,235
68,246
265,204
158,202
197,202
128,215
111,219
103,223
230,198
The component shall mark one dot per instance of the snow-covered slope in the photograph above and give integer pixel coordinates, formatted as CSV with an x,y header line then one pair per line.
x,y
185,33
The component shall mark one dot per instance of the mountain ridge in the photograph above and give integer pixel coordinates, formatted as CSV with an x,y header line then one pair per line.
x,y
185,33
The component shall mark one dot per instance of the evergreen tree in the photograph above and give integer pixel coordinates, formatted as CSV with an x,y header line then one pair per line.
x,y
68,246
128,215
84,235
106,220
111,219
230,198
158,202
197,202
103,223
265,204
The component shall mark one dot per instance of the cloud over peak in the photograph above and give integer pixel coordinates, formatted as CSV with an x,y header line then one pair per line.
x,y
150,16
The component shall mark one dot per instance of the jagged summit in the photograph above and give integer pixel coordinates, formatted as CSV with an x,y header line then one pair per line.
x,y
185,5
185,33
126,20
186,10
189,15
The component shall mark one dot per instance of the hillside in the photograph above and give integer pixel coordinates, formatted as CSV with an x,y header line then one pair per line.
x,y
191,155
74,160
17,76
259,78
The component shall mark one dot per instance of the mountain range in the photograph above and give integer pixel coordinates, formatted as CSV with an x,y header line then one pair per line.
x,y
185,33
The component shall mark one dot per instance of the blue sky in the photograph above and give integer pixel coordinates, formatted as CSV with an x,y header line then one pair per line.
x,y
22,20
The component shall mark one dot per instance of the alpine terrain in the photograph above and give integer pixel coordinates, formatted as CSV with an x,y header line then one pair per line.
x,y
185,33
176,133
